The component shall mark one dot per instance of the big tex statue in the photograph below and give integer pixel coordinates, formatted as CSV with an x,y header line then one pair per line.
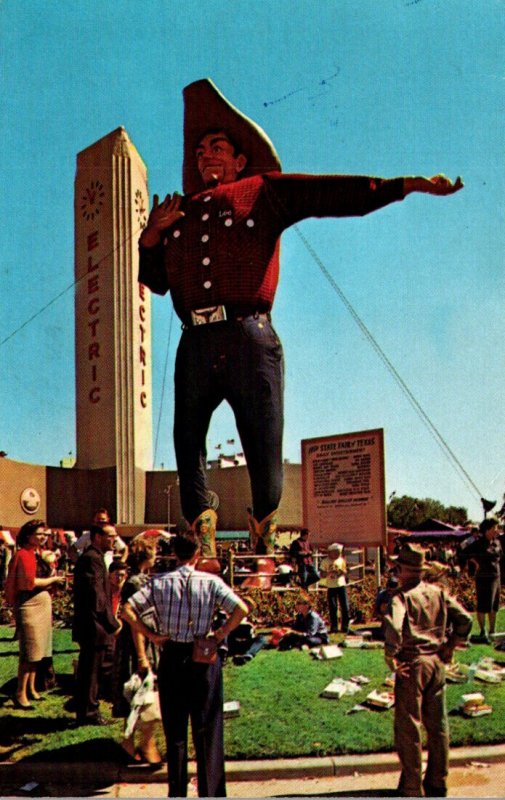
x,y
216,249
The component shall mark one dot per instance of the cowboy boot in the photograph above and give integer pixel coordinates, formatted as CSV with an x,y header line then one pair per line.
x,y
254,531
204,531
263,533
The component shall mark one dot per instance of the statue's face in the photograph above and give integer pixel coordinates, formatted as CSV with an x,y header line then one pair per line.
x,y
217,161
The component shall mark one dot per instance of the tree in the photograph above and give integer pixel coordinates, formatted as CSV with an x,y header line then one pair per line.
x,y
410,512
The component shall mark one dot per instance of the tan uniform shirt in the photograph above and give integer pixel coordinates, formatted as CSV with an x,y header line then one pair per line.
x,y
420,619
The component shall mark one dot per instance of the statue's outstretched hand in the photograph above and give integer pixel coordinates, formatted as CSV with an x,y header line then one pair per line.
x,y
439,185
442,185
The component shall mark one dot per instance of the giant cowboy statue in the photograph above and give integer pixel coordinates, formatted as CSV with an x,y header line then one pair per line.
x,y
216,249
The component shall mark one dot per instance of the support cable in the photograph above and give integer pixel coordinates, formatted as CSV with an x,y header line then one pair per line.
x,y
165,370
64,291
433,430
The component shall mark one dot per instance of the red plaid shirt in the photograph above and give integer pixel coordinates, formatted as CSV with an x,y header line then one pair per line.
x,y
225,250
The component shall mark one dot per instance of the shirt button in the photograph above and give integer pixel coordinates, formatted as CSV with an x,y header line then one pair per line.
x,y
207,284
206,261
228,222
207,198
176,234
205,217
205,237
250,223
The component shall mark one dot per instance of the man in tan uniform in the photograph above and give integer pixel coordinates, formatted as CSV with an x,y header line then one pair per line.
x,y
421,633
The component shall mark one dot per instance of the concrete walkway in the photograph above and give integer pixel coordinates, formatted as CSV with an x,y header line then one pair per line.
x,y
475,772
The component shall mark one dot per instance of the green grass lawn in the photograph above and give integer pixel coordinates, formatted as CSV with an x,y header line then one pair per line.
x,y
281,712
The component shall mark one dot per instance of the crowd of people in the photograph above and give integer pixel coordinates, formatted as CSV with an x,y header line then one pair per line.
x,y
133,622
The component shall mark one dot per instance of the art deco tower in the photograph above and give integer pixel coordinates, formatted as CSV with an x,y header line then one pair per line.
x,y
113,320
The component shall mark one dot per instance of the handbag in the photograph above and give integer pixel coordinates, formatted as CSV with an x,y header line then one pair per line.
x,y
204,648
144,700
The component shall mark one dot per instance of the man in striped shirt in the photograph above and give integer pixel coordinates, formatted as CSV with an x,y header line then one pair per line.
x,y
184,603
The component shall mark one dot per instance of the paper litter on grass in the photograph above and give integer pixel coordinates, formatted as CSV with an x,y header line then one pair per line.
x,y
339,687
361,679
358,707
231,708
326,651
380,700
473,705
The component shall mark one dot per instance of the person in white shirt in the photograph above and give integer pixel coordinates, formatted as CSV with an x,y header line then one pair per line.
x,y
334,568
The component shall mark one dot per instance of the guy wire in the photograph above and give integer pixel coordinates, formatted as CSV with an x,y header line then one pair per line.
x,y
64,291
433,430
165,370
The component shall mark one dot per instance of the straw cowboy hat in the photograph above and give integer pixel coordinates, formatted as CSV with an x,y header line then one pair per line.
x,y
206,109
435,571
412,557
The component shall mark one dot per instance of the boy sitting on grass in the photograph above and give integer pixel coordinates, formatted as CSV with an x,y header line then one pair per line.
x,y
308,627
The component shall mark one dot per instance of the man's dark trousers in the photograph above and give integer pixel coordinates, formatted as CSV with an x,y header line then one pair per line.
x,y
240,361
192,691
87,681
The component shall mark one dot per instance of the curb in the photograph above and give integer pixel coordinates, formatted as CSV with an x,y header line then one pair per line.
x,y
330,766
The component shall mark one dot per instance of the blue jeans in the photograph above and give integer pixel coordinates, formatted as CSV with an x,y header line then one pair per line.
x,y
240,361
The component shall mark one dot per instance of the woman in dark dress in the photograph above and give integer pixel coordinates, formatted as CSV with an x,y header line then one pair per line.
x,y
486,554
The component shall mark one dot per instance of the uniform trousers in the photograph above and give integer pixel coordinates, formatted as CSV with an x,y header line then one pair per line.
x,y
420,700
192,691
240,361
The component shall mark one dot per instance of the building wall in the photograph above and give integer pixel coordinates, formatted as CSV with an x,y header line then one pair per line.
x,y
73,495
15,477
232,487
70,496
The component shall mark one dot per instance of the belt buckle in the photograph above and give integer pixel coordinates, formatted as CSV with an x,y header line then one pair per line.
x,y
204,316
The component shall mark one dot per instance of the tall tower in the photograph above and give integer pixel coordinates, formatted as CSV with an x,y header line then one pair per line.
x,y
113,320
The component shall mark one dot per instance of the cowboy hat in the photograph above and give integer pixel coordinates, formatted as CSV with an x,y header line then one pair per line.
x,y
412,557
435,571
206,109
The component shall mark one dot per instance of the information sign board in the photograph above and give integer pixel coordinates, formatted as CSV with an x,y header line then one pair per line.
x,y
344,498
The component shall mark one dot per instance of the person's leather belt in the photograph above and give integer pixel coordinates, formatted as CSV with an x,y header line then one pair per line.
x,y
204,316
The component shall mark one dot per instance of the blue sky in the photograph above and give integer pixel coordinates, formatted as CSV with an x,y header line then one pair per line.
x,y
392,88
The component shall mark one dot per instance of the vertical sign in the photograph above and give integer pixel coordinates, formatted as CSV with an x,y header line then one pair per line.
x,y
343,488
113,319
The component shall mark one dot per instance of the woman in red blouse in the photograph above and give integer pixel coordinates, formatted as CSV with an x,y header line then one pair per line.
x,y
32,577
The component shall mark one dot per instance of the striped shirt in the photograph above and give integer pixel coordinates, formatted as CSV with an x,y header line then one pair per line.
x,y
168,597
